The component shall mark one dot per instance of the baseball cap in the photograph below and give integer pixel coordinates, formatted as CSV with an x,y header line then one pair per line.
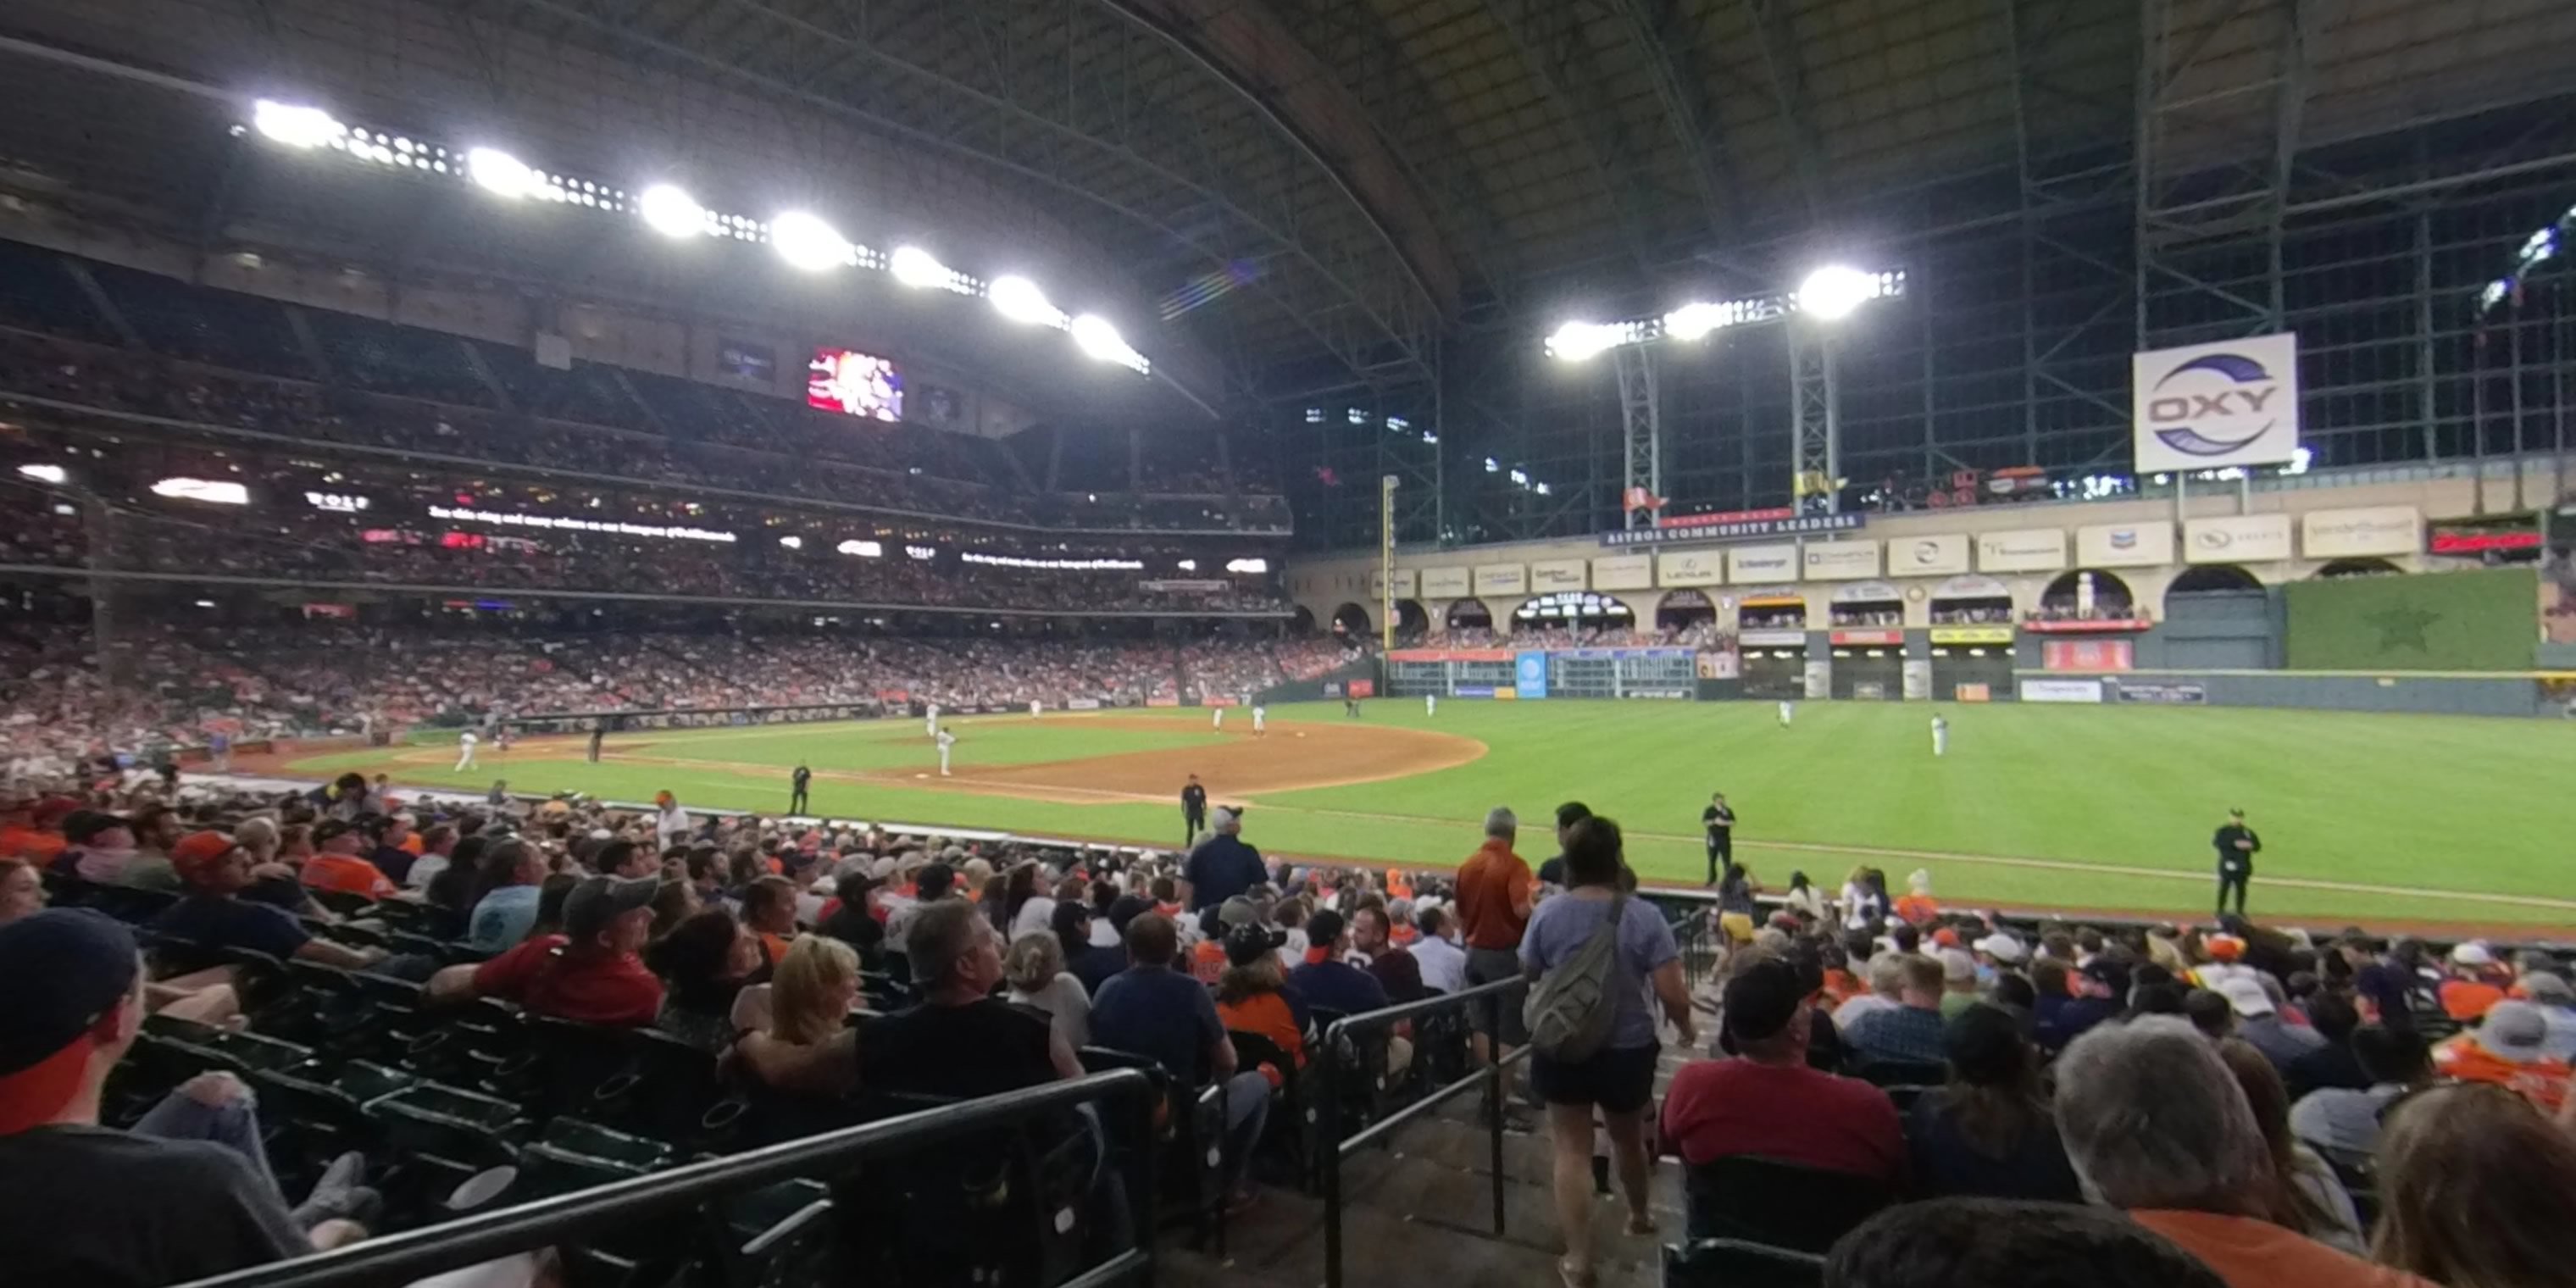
x,y
1761,999
934,880
69,968
1956,965
2246,995
1945,937
2472,953
1984,1043
2515,1030
1220,816
1237,911
331,829
2002,947
2545,986
1249,943
597,901
1324,928
197,853
2226,948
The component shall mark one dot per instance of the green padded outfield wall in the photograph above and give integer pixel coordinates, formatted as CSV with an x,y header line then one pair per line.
x,y
2486,620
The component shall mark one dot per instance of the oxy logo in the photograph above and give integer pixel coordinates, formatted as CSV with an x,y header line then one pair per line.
x,y
2214,404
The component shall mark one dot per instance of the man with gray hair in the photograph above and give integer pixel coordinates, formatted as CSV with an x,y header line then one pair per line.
x,y
1493,909
2156,1125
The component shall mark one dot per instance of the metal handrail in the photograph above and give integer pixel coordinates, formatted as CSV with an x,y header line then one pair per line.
x,y
403,1258
1329,1114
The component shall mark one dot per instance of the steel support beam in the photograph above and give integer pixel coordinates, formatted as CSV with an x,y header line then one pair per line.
x,y
1789,91
1642,431
1815,410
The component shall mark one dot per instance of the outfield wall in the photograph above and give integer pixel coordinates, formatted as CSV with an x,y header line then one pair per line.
x,y
2424,693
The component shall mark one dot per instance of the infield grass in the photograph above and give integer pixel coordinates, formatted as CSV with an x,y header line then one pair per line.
x,y
2388,814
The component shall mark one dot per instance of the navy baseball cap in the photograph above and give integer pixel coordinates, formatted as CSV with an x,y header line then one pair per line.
x,y
71,968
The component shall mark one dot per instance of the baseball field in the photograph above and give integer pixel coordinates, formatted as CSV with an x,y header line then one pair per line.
x,y
2394,819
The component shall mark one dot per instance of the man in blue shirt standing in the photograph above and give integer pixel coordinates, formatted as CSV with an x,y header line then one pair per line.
x,y
1222,866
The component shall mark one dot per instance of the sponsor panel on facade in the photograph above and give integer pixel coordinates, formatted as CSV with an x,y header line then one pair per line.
x,y
1447,583
1840,560
2022,550
2375,530
1502,579
2124,545
1935,556
1690,567
1762,563
1623,572
2242,538
2060,690
1557,574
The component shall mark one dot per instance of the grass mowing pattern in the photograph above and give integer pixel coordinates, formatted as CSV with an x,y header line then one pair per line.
x,y
2423,802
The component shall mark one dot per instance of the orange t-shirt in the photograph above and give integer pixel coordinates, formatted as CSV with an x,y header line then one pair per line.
x,y
2468,999
1487,882
40,848
1917,908
1268,1015
348,874
1207,961
2258,1254
2543,1082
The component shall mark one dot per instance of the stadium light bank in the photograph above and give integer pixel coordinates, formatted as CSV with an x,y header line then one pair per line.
x,y
1829,294
802,239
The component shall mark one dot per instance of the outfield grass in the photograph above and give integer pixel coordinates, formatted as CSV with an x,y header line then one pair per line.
x,y
2418,803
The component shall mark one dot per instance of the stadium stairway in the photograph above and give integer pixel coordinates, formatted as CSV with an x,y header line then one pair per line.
x,y
1420,1211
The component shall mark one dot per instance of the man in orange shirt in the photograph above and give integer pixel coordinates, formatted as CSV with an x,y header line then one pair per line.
x,y
336,864
2510,1049
1917,907
1493,909
2472,987
34,829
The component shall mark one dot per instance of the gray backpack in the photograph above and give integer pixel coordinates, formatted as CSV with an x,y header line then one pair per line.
x,y
1570,1009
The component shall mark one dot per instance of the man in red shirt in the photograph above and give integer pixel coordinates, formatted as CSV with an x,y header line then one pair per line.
x,y
590,973
1493,909
1766,1102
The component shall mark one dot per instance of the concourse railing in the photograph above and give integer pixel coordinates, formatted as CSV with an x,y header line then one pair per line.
x,y
1344,1036
628,1205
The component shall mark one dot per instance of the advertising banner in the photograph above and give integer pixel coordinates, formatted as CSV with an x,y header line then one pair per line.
x,y
1623,572
2181,695
2124,545
1972,635
2061,690
2022,550
1332,688
2086,655
1082,704
1868,637
1971,693
2377,530
1840,560
1672,695
1473,691
1502,579
2245,538
1717,664
1363,688
1557,574
1529,676
1405,581
1690,567
1971,587
1773,639
2209,406
1820,680
1746,564
1722,527
1868,592
1447,583
1201,585
1935,556
1162,702
1451,655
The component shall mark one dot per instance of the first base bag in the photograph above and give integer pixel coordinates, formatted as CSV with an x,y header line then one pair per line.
x,y
1570,1009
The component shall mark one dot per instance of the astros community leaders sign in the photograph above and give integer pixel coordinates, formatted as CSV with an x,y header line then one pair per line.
x,y
1738,525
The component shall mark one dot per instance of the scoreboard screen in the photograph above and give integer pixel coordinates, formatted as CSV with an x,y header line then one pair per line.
x,y
854,384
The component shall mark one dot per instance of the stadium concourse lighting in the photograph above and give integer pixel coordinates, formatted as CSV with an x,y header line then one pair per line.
x,y
1019,299
499,173
806,242
294,126
672,212
44,473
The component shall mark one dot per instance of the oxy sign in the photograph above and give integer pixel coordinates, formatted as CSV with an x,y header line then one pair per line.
x,y
2210,406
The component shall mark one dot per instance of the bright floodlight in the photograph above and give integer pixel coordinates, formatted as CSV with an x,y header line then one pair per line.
x,y
1576,341
44,473
1094,335
806,242
1831,293
499,173
1692,321
792,542
915,267
296,127
671,212
1020,300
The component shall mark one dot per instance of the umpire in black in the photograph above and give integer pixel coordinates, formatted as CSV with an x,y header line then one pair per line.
x,y
2237,846
1193,811
1718,822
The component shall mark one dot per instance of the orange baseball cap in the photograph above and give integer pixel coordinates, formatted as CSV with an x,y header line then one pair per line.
x,y
197,853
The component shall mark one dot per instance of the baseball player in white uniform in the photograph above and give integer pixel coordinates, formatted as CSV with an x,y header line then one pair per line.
x,y
1788,712
930,722
946,741
1259,714
465,749
1035,707
1216,718
1940,737
1431,704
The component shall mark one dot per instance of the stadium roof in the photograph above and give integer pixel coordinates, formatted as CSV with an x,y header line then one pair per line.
x,y
1323,187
